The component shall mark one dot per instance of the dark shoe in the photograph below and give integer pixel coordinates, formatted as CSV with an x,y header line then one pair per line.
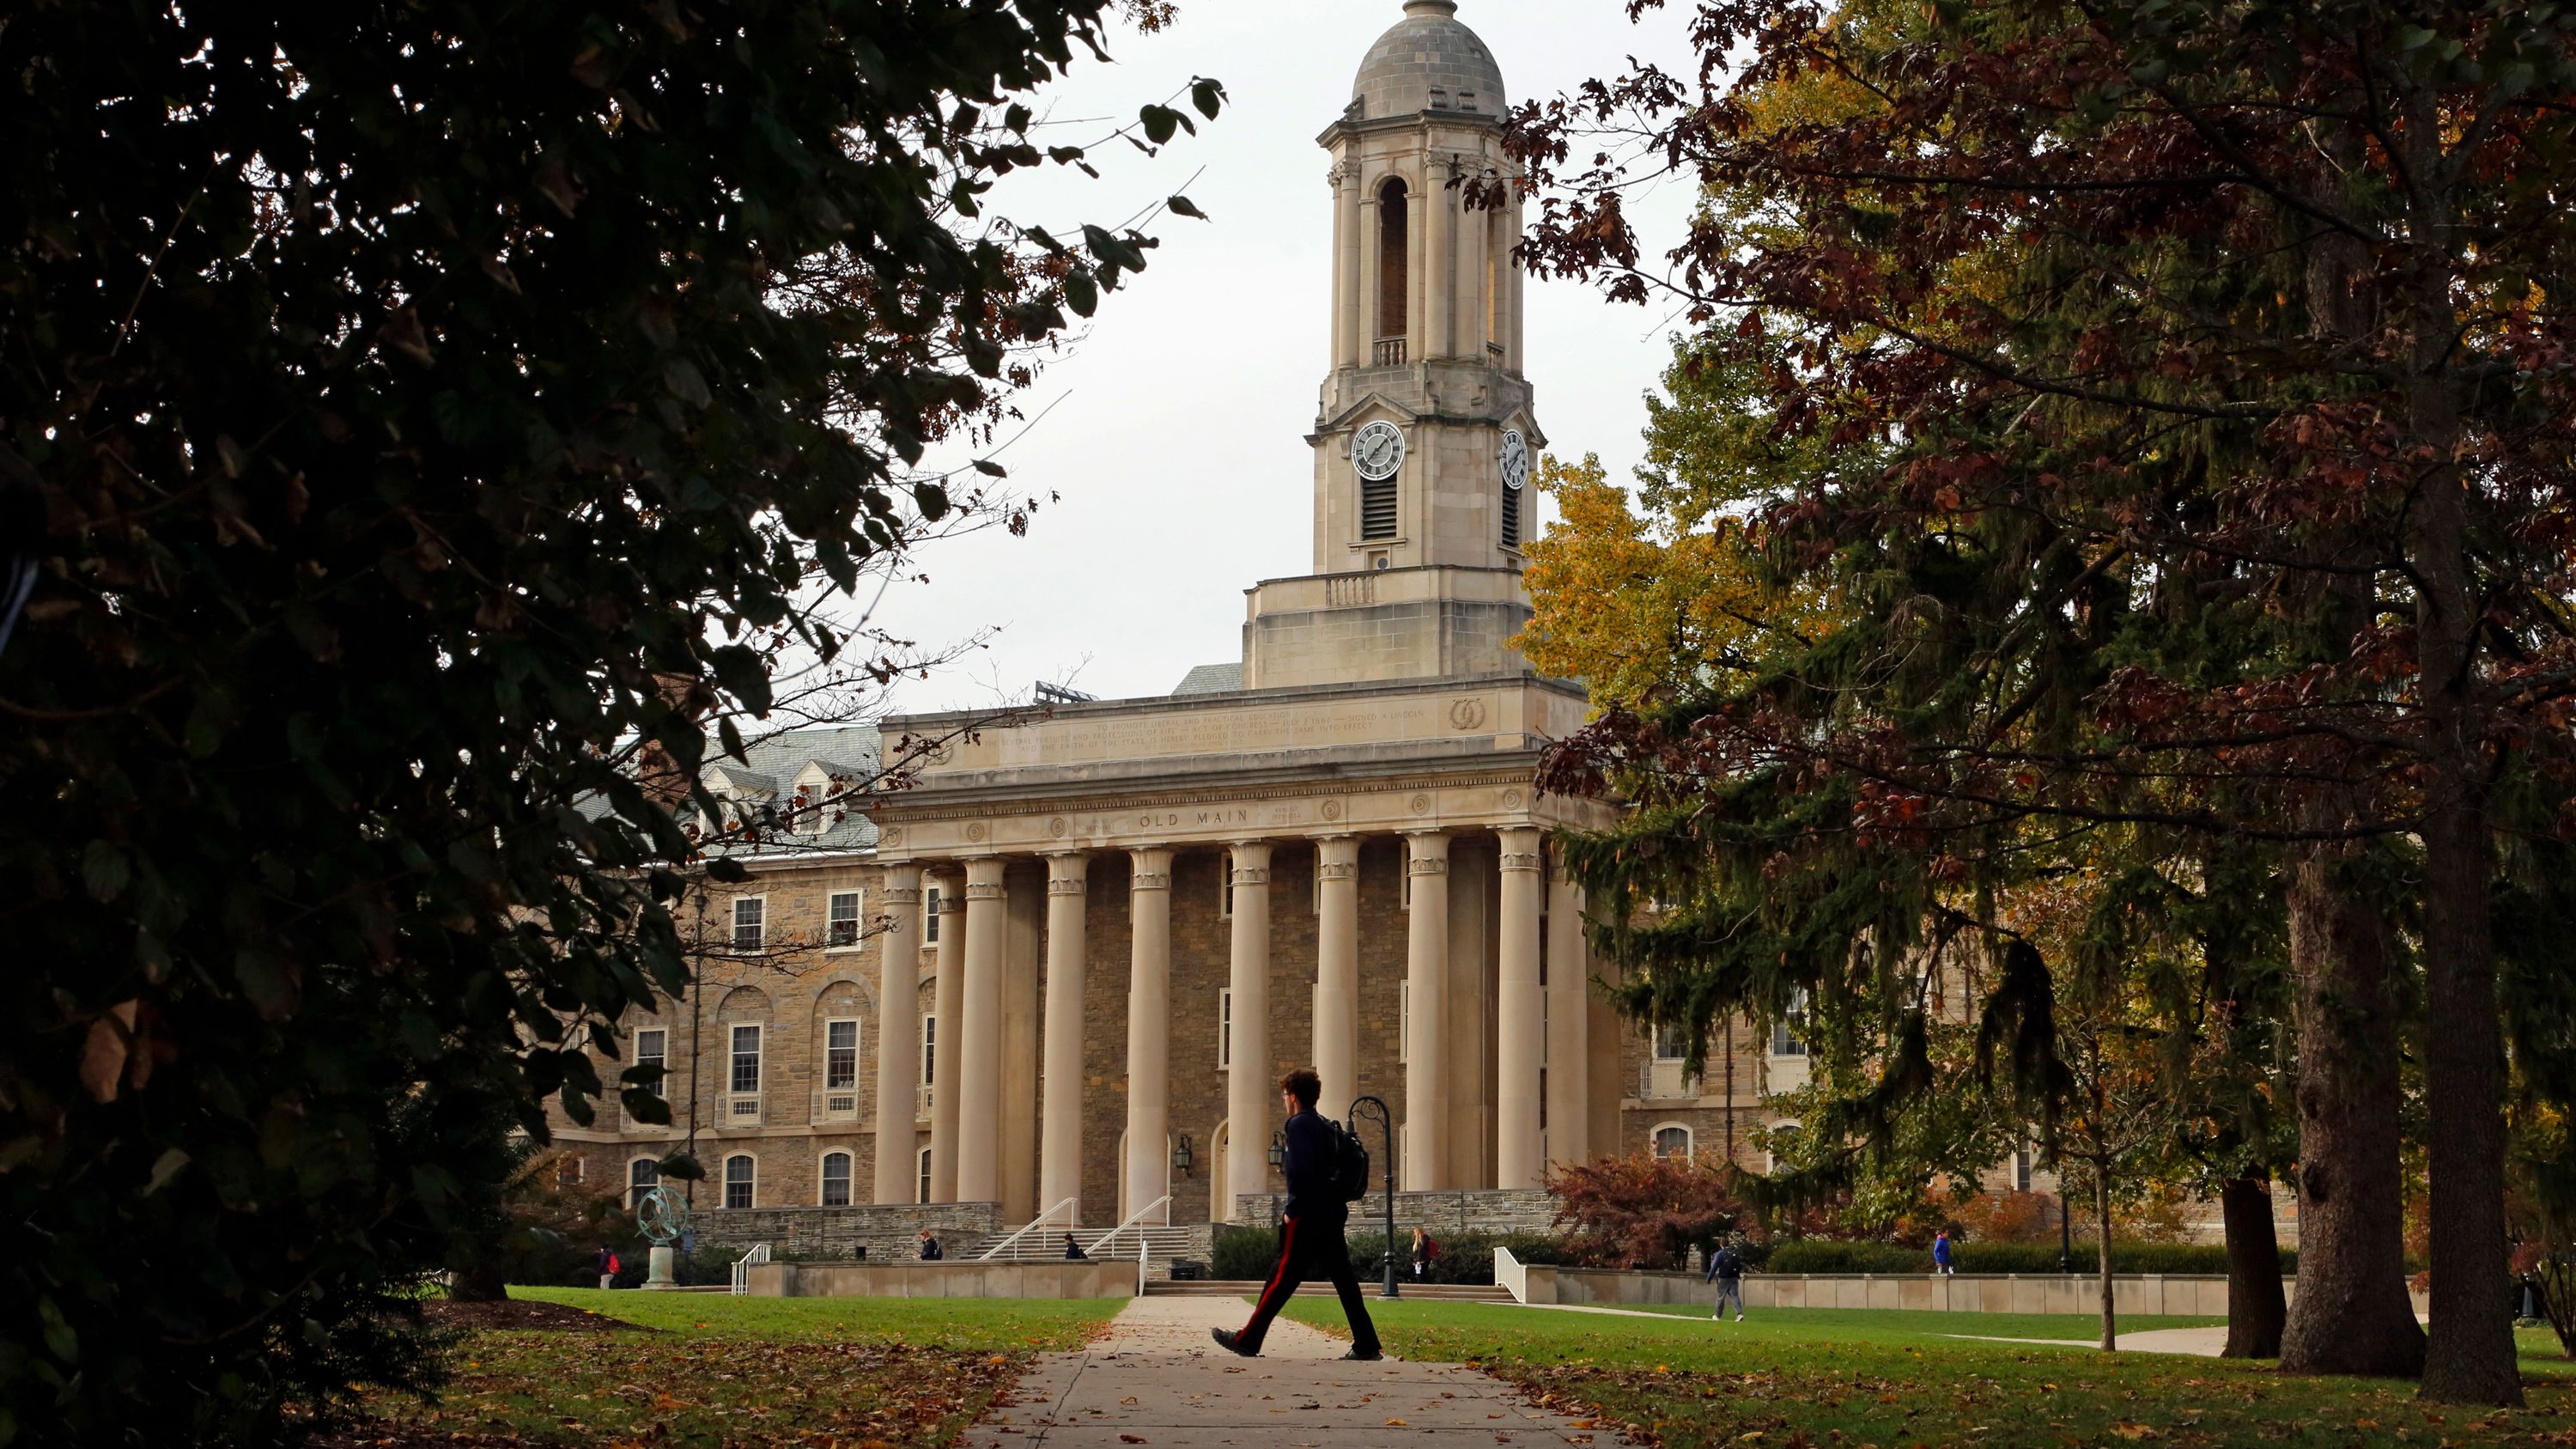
x,y
1362,1355
1226,1339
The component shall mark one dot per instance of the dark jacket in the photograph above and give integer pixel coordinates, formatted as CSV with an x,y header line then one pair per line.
x,y
931,1252
1724,1264
1308,1166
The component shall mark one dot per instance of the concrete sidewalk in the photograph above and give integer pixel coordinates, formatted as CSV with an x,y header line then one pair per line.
x,y
1157,1379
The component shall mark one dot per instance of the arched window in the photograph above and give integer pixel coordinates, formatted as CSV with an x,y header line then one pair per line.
x,y
921,1176
739,1173
1673,1140
836,1179
1394,253
641,1174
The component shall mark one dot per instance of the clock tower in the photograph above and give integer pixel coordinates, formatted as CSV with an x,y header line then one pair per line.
x,y
1424,439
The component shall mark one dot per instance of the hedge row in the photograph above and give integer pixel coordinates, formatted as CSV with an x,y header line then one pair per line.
x,y
1815,1255
1249,1253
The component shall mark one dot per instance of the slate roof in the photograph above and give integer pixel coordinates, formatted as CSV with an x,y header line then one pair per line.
x,y
849,752
1210,679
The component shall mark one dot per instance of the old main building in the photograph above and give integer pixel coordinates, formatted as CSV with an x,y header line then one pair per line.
x,y
1062,973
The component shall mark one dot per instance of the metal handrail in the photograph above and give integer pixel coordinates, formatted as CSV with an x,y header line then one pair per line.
x,y
743,1265
1133,1221
1034,1224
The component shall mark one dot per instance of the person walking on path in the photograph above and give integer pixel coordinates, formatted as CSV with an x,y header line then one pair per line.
x,y
1726,1270
1311,1244
608,1266
1941,1254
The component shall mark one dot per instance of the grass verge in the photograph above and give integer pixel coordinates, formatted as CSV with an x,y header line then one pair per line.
x,y
735,1373
1800,1377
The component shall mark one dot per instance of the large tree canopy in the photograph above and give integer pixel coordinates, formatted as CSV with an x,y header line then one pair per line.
x,y
2210,380
429,406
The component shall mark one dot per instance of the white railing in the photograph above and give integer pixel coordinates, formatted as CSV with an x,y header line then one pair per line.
x,y
921,1109
1133,1220
743,1265
742,1109
1034,1224
1509,1273
836,1104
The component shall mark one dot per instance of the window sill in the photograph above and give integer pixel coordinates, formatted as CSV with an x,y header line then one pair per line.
x,y
844,950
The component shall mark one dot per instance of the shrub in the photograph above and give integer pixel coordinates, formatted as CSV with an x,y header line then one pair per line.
x,y
1644,1211
1245,1253
1814,1255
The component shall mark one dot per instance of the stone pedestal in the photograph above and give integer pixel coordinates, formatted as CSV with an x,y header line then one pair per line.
x,y
658,1267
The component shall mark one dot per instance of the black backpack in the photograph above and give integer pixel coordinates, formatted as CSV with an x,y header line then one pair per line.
x,y
1350,1162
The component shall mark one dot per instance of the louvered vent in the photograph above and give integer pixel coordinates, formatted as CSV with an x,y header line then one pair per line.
x,y
1377,507
1511,518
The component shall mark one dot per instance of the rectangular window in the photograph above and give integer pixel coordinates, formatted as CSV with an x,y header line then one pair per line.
x,y
738,1182
652,1050
641,1177
2021,1170
747,918
930,915
921,1180
836,1179
929,1050
1668,1043
1225,899
1542,1099
841,919
746,1059
840,1055
1787,1038
1224,1027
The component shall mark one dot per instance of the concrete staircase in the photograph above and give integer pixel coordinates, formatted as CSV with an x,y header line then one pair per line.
x,y
1420,1292
1046,1245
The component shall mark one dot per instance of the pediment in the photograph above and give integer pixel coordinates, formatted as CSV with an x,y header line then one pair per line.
x,y
1368,408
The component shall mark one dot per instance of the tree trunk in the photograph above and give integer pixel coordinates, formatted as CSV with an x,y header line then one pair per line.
x,y
2351,1314
2102,1206
480,1282
2256,1306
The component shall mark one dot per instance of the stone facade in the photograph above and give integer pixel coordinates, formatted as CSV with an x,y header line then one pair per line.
x,y
891,1234
1365,800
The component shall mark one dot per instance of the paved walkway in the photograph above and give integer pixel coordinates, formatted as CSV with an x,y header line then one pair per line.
x,y
2198,1342
1156,1379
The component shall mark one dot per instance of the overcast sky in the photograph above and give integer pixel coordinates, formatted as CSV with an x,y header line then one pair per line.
x,y
1177,431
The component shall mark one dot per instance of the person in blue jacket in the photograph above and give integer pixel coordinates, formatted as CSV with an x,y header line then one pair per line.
x,y
1311,1244
1941,1254
1726,1270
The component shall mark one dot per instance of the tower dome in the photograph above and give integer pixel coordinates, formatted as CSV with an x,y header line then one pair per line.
x,y
1428,62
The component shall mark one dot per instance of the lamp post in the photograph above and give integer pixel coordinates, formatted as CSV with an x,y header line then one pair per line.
x,y
1377,1109
2065,1232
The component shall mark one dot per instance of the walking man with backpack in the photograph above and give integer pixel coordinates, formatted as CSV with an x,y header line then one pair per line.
x,y
1726,1270
1326,1169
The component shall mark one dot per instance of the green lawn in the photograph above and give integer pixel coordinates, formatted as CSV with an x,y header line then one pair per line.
x,y
985,1325
1848,1378
1880,1325
736,1373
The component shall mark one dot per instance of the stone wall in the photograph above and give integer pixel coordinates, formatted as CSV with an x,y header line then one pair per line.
x,y
944,1280
2194,1294
890,1232
1472,1211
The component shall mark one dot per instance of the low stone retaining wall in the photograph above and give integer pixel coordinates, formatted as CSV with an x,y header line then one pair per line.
x,y
2194,1294
891,1231
1474,1210
944,1280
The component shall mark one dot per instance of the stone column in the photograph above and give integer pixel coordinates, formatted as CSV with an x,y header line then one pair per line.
x,y
979,1037
1337,972
1440,250
1569,1000
1518,1032
1251,1094
1149,1027
898,1031
1371,242
947,990
1426,973
1349,347
1060,1108
1515,280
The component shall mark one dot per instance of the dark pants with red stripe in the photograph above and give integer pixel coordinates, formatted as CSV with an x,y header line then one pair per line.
x,y
1311,1246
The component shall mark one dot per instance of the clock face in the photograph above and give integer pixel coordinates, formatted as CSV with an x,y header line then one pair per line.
x,y
1378,450
1515,459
